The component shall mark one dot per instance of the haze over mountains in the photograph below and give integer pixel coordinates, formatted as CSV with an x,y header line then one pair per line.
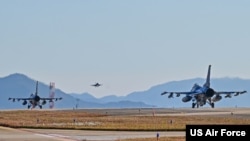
x,y
20,85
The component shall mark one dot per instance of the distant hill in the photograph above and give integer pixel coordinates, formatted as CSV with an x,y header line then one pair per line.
x,y
152,96
20,86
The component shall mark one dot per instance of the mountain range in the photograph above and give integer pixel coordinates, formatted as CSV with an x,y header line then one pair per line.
x,y
20,85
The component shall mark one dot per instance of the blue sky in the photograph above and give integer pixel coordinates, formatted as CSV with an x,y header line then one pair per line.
x,y
127,45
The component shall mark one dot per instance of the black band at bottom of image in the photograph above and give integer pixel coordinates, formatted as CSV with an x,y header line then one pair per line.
x,y
198,132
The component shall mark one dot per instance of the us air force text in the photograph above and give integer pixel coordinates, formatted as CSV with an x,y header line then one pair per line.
x,y
213,132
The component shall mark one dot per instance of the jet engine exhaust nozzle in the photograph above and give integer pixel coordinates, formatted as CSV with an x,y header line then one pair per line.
x,y
37,98
210,92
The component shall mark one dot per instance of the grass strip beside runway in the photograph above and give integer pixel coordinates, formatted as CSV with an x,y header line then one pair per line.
x,y
82,120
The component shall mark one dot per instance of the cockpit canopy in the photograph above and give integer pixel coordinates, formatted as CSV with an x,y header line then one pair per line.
x,y
195,87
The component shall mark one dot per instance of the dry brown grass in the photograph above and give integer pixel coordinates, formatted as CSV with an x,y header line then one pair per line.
x,y
84,120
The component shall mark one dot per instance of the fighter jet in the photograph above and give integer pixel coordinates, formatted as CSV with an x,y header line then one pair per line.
x,y
35,100
96,84
200,95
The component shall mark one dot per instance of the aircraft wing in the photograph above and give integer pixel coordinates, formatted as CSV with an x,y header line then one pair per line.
x,y
229,93
179,93
59,98
18,99
163,93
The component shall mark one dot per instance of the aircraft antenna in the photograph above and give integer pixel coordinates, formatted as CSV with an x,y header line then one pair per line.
x,y
51,94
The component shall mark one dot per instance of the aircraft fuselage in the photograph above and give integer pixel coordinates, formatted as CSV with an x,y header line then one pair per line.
x,y
35,100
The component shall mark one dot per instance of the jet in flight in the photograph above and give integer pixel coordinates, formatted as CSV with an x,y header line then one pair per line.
x,y
96,84
200,95
35,100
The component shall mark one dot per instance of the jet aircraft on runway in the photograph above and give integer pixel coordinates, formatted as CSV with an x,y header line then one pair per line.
x,y
34,99
200,95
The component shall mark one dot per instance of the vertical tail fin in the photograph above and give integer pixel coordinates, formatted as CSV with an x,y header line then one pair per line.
x,y
36,88
207,84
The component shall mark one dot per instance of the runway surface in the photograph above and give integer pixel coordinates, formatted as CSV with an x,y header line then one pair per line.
x,y
9,134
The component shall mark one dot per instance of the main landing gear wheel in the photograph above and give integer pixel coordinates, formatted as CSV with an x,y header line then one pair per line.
x,y
193,105
212,105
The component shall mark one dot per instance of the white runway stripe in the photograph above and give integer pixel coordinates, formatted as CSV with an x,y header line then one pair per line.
x,y
44,135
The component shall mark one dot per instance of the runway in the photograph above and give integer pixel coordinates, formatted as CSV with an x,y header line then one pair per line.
x,y
9,134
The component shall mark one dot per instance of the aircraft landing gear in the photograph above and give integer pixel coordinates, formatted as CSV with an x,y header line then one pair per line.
x,y
212,105
193,105
40,106
28,106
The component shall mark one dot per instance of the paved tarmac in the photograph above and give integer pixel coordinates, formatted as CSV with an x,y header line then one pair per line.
x,y
9,134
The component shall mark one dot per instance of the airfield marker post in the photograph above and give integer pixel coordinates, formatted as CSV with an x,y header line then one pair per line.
x,y
157,136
